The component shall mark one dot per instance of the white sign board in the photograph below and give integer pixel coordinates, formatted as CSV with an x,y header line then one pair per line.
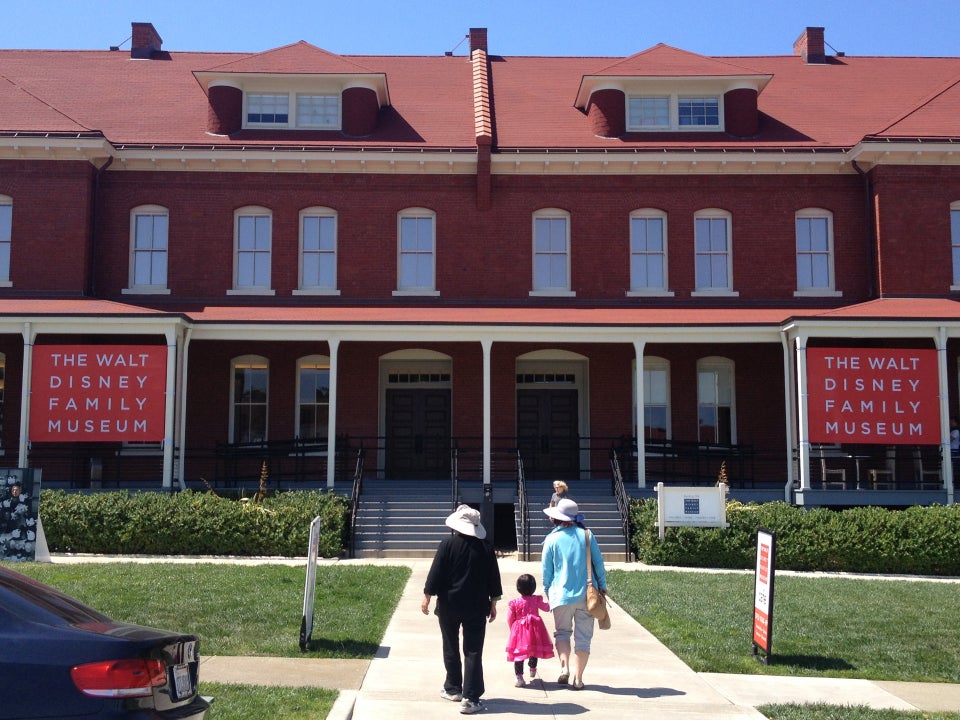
x,y
310,588
691,506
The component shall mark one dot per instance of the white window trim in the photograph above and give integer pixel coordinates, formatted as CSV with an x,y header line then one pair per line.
x,y
8,201
292,96
250,211
713,364
244,360
652,363
831,289
303,289
650,213
550,213
312,360
728,291
132,288
412,290
674,103
954,242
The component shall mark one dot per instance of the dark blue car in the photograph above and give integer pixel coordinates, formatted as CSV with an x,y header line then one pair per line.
x,y
62,659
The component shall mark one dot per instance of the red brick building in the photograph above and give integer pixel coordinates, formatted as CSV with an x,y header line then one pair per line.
x,y
457,264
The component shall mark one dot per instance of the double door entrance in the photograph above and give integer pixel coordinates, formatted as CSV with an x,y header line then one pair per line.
x,y
417,427
548,433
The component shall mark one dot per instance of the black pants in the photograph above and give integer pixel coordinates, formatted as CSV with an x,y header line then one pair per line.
x,y
464,677
518,665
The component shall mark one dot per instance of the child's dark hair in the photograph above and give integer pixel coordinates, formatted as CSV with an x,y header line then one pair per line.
x,y
526,585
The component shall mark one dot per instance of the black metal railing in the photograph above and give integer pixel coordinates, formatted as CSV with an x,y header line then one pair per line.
x,y
623,501
523,542
355,493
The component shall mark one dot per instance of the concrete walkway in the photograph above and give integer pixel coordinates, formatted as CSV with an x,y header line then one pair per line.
x,y
630,672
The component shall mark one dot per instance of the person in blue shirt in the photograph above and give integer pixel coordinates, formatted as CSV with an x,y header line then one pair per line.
x,y
564,560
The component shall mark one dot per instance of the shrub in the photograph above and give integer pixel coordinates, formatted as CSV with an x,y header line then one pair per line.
x,y
192,523
915,540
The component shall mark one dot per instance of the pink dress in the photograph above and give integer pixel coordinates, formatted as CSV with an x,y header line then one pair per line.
x,y
528,635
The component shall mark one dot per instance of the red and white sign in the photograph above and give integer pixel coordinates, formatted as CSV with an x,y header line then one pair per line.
x,y
763,591
96,393
873,396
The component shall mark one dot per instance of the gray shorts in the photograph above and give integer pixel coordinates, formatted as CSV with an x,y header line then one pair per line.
x,y
574,620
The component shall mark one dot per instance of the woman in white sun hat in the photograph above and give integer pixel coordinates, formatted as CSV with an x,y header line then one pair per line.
x,y
565,583
465,578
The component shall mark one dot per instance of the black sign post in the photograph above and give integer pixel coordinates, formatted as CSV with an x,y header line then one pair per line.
x,y
763,594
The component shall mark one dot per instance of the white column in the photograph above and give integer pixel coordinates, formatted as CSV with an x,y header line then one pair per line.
x,y
946,464
803,437
638,346
29,335
169,408
182,384
334,345
487,346
789,413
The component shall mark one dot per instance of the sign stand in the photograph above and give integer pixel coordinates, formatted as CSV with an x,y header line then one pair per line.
x,y
310,588
763,594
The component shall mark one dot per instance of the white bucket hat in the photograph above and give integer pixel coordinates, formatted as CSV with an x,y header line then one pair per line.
x,y
466,521
565,510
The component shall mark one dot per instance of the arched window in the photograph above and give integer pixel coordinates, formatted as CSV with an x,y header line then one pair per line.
x,y
713,251
250,376
551,252
416,252
149,235
814,231
716,412
253,241
313,398
318,251
648,253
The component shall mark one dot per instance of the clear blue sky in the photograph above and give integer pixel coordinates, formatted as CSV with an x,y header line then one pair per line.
x,y
614,28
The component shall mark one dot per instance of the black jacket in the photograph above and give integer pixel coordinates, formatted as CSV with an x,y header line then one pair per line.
x,y
464,575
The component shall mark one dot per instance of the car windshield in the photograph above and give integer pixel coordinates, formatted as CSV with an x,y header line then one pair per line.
x,y
48,599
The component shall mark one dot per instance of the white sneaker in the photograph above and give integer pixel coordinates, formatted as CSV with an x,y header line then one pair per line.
x,y
456,697
469,707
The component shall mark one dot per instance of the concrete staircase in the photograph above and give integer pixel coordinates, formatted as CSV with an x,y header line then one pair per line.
x,y
401,519
598,505
405,519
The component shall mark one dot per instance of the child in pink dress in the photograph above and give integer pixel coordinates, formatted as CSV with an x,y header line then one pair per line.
x,y
529,638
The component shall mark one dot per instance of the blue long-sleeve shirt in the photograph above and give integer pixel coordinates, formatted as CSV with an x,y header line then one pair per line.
x,y
564,560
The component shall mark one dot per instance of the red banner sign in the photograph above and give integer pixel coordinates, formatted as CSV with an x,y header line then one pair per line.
x,y
873,396
96,393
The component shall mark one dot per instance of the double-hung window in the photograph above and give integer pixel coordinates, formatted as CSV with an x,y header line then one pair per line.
x,y
6,238
318,111
670,112
656,398
814,231
551,252
699,112
249,399
713,252
416,250
715,401
268,109
648,253
252,251
313,398
954,241
149,230
318,252
646,113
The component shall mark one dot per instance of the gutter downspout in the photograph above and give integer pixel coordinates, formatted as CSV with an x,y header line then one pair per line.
x,y
94,218
871,230
26,383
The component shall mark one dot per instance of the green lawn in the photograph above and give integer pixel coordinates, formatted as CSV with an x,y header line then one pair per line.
x,y
824,626
240,609
252,702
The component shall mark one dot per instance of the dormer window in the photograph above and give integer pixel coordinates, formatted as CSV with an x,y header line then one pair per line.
x,y
673,112
314,112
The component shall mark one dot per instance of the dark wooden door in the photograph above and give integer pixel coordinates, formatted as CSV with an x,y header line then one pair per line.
x,y
548,433
418,434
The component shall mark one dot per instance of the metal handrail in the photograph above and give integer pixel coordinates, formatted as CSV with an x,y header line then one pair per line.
x,y
623,501
355,498
523,542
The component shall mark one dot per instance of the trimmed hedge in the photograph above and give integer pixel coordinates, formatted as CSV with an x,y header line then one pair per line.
x,y
192,523
915,540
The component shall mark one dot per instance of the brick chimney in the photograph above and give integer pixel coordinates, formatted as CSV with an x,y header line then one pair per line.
x,y
810,46
145,41
478,39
